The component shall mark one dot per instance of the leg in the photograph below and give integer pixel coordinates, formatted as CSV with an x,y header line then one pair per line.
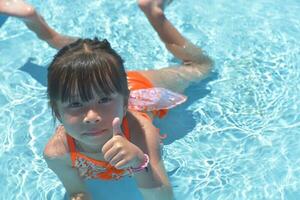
x,y
195,66
153,10
35,22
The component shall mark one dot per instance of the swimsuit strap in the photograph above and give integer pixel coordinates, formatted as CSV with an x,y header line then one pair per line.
x,y
72,148
126,128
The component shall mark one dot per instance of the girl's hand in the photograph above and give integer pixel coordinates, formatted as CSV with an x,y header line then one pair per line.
x,y
148,4
120,152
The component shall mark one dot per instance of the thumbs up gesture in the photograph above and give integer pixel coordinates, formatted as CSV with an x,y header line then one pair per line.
x,y
120,152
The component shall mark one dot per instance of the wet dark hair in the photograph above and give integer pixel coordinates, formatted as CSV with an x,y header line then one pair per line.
x,y
84,67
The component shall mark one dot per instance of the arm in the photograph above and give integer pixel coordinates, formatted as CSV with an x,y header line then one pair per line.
x,y
152,183
69,177
196,65
59,162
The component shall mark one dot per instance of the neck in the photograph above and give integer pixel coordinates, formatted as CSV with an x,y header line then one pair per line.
x,y
89,148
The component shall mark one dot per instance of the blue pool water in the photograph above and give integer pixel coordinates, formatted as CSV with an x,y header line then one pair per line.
x,y
236,138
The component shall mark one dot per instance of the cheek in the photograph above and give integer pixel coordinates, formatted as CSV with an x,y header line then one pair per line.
x,y
109,113
118,110
71,123
71,118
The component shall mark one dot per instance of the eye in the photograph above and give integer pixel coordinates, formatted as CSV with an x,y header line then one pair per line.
x,y
105,100
75,105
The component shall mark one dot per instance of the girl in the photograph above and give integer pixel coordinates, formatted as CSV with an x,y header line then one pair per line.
x,y
106,114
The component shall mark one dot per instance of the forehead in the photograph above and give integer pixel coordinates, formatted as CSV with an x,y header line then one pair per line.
x,y
85,89
94,95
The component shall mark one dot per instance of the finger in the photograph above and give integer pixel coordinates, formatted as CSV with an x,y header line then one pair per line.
x,y
122,164
109,154
107,146
116,159
116,124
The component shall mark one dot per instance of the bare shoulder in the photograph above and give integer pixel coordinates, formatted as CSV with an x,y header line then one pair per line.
x,y
58,159
57,146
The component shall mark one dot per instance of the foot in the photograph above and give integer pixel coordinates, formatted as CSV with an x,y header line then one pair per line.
x,y
16,8
35,22
147,4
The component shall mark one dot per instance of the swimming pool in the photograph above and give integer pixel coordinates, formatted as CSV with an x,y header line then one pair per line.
x,y
238,135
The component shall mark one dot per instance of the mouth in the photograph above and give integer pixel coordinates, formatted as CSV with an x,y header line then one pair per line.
x,y
94,133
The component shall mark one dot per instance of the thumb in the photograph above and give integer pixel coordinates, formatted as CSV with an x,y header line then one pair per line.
x,y
116,124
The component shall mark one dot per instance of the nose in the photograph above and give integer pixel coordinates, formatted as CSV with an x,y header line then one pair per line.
x,y
92,117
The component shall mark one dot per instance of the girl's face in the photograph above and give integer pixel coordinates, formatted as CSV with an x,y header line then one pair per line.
x,y
91,122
